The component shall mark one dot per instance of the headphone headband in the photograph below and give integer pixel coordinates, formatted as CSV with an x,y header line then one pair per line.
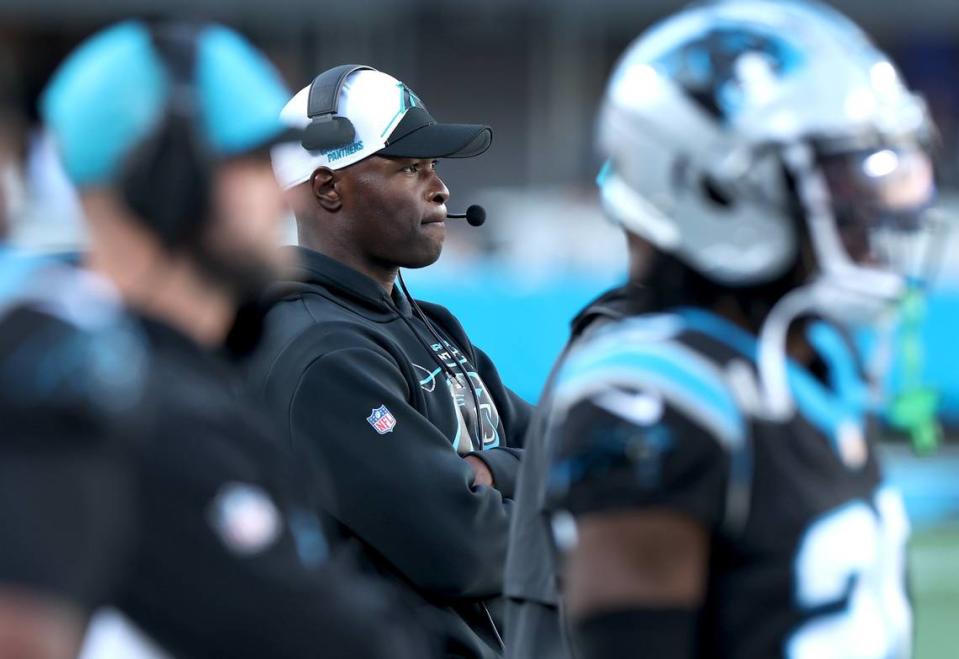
x,y
166,178
328,130
176,45
325,89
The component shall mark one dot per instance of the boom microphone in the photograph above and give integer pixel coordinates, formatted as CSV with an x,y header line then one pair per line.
x,y
475,215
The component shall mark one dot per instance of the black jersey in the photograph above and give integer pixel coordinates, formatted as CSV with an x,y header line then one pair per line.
x,y
807,544
231,560
71,376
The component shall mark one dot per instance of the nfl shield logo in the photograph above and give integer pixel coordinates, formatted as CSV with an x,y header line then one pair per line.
x,y
382,420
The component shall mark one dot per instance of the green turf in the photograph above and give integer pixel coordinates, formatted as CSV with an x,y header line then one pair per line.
x,y
934,563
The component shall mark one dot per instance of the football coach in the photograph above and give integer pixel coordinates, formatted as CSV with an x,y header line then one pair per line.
x,y
411,420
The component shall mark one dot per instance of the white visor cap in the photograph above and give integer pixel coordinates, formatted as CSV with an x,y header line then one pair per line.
x,y
375,103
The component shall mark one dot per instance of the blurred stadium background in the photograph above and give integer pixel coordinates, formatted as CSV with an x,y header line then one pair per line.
x,y
534,70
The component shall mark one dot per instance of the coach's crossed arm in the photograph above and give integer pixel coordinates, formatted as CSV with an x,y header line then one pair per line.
x,y
406,493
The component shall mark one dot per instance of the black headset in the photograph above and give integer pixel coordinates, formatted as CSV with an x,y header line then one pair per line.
x,y
166,179
328,130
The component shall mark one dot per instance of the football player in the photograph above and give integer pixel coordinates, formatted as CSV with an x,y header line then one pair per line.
x,y
713,485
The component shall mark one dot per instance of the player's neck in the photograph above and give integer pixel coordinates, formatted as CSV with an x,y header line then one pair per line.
x,y
151,280
728,307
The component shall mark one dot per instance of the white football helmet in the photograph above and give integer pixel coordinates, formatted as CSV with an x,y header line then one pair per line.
x,y
723,121
738,130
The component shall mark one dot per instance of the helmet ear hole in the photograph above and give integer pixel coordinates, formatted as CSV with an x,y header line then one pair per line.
x,y
717,193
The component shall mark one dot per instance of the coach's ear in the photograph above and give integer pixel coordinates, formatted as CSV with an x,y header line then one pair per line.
x,y
324,189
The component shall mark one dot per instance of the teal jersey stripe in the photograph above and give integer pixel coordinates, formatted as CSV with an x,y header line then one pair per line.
x,y
671,369
826,410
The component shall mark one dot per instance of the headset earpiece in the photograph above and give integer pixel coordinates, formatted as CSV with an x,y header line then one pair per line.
x,y
326,132
166,178
167,181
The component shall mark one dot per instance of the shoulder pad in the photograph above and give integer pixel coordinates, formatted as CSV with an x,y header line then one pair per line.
x,y
643,353
67,341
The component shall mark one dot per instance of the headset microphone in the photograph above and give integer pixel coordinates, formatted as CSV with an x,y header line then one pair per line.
x,y
475,215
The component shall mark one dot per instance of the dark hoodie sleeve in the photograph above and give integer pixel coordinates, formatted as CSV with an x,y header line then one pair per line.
x,y
515,414
404,492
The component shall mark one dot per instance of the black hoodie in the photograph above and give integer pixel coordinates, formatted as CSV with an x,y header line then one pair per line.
x,y
366,387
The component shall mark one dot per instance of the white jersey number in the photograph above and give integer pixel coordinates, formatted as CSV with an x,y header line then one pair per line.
x,y
859,550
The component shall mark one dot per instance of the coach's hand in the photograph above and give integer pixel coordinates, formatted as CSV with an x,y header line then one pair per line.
x,y
481,473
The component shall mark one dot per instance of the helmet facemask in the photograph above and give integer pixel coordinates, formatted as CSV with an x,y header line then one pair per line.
x,y
882,199
873,231
871,220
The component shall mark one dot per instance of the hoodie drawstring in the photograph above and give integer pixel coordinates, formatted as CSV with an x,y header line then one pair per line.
x,y
477,425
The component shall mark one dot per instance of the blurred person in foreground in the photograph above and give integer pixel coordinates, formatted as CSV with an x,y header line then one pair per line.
x,y
64,461
418,431
706,469
165,128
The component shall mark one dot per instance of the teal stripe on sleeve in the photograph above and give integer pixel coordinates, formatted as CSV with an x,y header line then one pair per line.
x,y
680,375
